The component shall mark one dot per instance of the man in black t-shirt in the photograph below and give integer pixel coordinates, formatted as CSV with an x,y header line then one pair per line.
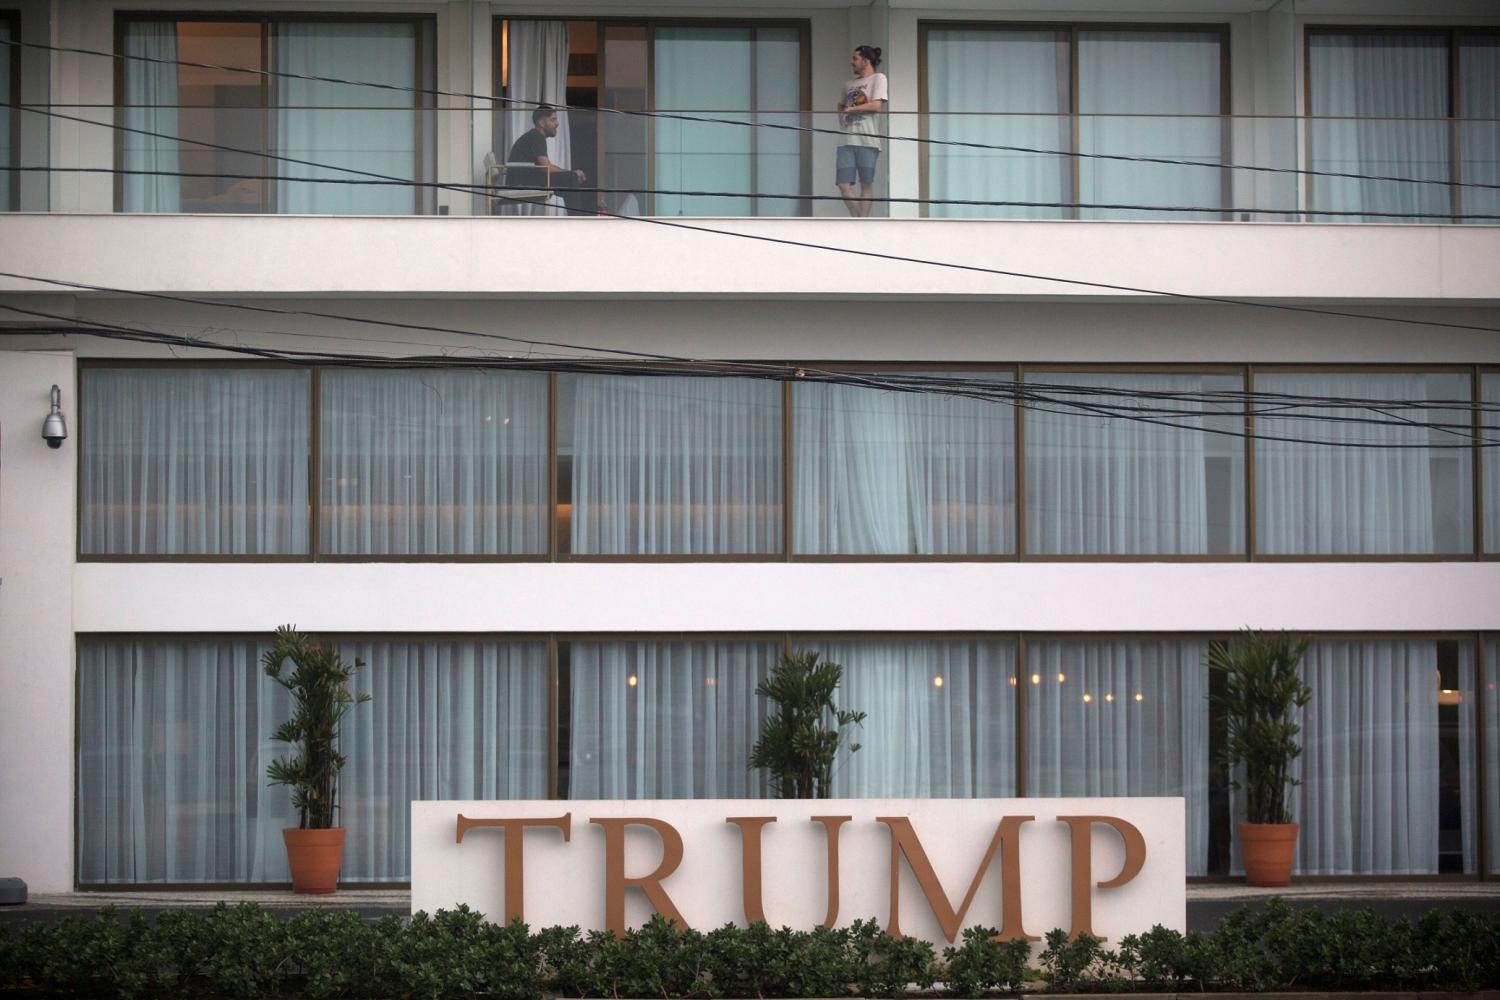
x,y
532,148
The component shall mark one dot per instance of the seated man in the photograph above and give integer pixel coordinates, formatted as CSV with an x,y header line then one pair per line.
x,y
532,148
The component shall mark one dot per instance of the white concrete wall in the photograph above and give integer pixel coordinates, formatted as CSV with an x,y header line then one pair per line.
x,y
37,490
629,257
800,597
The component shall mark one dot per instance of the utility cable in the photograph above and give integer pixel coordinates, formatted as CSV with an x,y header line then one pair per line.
x,y
1018,393
481,189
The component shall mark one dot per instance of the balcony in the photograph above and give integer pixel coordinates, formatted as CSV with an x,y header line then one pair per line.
x,y
707,163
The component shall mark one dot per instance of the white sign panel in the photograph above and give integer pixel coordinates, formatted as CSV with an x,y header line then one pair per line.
x,y
922,867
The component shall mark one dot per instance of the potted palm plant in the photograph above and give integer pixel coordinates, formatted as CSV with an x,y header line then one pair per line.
x,y
1259,702
799,742
319,686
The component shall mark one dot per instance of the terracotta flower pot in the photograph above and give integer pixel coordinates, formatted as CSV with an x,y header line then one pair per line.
x,y
1268,850
314,857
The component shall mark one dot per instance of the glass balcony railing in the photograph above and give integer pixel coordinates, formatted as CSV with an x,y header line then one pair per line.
x,y
706,163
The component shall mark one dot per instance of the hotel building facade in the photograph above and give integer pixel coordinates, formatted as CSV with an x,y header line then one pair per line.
x,y
1172,317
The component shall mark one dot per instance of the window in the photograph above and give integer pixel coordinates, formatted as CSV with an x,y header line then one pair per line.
x,y
940,717
1388,762
651,465
10,64
663,720
1397,103
1121,463
735,72
880,472
1121,717
1116,91
1341,470
193,461
295,129
176,739
1491,722
1490,432
433,463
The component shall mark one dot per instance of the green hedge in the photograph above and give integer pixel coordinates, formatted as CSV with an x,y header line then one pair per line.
x,y
241,951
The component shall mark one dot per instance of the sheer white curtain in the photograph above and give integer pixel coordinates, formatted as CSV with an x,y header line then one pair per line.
x,y
881,472
5,99
193,460
1491,723
1370,488
346,126
1479,132
171,773
1106,484
998,88
447,720
433,462
1378,103
666,720
1149,93
1121,717
1467,789
151,106
674,465
941,718
1368,802
538,75
171,763
1490,389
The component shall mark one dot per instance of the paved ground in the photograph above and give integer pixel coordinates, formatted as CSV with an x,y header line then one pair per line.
x,y
1206,903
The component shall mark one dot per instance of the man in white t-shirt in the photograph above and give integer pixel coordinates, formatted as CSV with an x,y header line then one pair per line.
x,y
859,109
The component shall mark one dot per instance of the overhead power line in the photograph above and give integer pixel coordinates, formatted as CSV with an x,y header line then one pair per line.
x,y
740,123
484,190
1144,406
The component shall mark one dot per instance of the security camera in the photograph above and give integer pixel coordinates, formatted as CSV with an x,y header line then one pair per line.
x,y
54,428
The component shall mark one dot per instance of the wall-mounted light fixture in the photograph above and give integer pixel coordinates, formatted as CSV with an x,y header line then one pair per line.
x,y
54,428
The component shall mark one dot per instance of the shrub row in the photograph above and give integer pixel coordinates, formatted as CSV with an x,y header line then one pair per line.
x,y
241,951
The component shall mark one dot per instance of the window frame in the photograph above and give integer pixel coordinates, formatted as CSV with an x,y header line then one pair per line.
x,y
1218,798
1454,35
424,198
803,27
1013,370
1072,30
11,19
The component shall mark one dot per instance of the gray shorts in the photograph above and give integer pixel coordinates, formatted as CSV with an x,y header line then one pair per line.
x,y
857,160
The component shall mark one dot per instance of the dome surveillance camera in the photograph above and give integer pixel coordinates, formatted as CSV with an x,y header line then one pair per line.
x,y
54,429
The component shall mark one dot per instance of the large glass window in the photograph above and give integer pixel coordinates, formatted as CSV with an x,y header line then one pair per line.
x,y
176,740
427,463
879,472
941,717
193,461
1139,93
175,109
1491,701
1381,102
750,73
1362,464
669,466
1121,717
664,720
1134,464
1387,767
1479,125
1490,435
9,61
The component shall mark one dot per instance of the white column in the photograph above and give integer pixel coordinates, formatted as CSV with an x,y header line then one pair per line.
x,y
37,502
